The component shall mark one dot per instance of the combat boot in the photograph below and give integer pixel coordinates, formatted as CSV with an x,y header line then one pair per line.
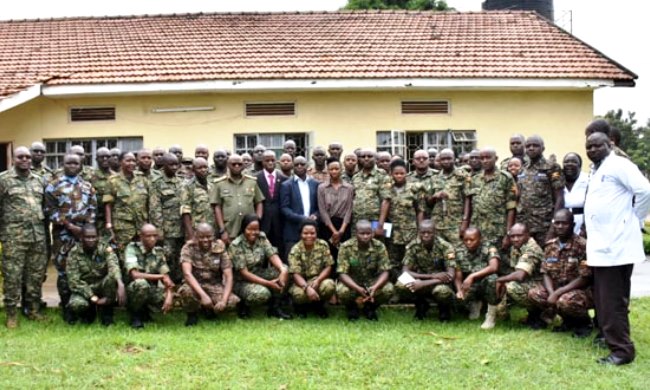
x,y
88,316
534,320
192,319
421,308
352,311
444,312
68,315
320,310
583,327
370,311
274,310
300,310
12,318
490,317
35,315
106,315
475,309
136,321
243,311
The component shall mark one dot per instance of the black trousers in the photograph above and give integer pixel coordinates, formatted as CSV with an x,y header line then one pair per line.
x,y
612,300
325,233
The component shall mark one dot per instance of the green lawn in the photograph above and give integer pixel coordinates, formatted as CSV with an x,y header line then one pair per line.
x,y
261,353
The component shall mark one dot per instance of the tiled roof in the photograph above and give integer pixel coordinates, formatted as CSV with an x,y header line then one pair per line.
x,y
318,45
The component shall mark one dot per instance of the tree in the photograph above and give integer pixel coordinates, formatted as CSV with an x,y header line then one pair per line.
x,y
635,140
425,5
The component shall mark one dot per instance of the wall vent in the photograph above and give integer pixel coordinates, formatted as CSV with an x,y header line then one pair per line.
x,y
270,109
86,114
425,107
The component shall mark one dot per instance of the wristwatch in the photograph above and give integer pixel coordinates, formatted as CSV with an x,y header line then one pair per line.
x,y
94,299
109,226
222,231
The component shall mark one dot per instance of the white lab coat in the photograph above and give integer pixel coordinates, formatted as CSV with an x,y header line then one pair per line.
x,y
613,225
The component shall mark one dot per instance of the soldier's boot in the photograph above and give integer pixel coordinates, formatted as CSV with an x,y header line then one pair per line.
x,y
88,317
534,320
300,310
583,327
106,315
444,312
136,321
275,309
209,315
12,318
35,314
320,310
502,310
421,308
145,314
68,315
243,311
490,317
475,309
352,311
192,319
370,311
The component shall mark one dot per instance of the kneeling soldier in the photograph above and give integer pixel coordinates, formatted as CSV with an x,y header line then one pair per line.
x,y
363,268
94,278
145,266
432,262
208,276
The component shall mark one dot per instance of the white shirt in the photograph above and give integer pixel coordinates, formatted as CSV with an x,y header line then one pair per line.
x,y
576,199
303,187
613,224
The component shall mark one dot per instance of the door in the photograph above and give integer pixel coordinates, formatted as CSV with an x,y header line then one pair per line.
x,y
5,156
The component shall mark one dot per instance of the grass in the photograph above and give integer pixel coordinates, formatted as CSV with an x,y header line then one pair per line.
x,y
261,353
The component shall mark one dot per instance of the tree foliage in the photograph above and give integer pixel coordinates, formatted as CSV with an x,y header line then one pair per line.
x,y
635,139
426,5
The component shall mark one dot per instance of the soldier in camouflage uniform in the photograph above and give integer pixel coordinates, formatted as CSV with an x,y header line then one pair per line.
x,y
94,277
422,175
99,181
541,190
431,261
208,275
38,156
475,163
220,167
350,167
70,203
258,160
86,172
195,199
234,196
158,153
517,144
311,263
566,290
144,267
22,233
476,272
371,193
126,202
494,201
145,163
451,199
164,206
363,268
260,275
404,214
382,160
319,170
520,274
114,161
335,150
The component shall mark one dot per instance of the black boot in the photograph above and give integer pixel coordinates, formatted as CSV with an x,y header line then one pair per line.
x,y
136,321
69,316
444,312
274,309
88,317
534,320
320,310
243,311
352,311
421,308
192,319
583,327
145,314
300,310
370,311
106,315
209,315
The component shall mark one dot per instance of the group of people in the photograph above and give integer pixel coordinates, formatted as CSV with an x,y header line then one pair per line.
x,y
154,229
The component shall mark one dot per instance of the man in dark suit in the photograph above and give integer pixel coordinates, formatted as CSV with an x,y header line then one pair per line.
x,y
298,201
269,180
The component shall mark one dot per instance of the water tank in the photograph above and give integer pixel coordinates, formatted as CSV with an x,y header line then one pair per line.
x,y
542,7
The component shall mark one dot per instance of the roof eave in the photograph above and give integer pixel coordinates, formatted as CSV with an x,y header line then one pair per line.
x,y
21,97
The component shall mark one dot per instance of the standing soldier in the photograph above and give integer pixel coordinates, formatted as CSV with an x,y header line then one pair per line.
x,y
234,196
94,277
195,200
70,203
164,207
494,202
372,193
475,163
86,171
99,181
319,170
517,148
114,161
22,232
258,159
220,167
541,188
158,152
38,156
290,148
422,175
451,199
349,167
433,162
335,150
145,163
202,151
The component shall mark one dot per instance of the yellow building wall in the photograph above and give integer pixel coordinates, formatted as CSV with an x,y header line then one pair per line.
x,y
349,117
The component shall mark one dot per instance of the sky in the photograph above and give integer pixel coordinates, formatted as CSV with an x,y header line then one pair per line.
x,y
615,29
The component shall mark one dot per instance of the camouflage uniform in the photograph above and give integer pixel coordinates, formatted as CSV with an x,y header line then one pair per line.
x,y
493,197
22,232
309,264
91,274
164,212
403,215
620,152
130,200
255,258
347,178
214,175
447,214
195,202
422,260
67,200
43,171
504,163
563,265
207,268
470,262
142,292
423,179
537,183
321,176
364,267
99,181
526,258
236,199
369,191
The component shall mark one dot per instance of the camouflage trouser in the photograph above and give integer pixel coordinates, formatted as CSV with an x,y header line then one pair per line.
x,y
105,288
326,289
172,247
256,294
518,292
347,295
192,303
60,249
483,290
125,232
574,303
396,255
451,236
23,261
440,293
141,293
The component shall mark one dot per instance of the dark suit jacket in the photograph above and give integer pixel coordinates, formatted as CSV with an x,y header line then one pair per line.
x,y
291,206
272,217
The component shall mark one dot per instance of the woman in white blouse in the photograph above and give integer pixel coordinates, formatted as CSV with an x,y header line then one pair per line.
x,y
575,189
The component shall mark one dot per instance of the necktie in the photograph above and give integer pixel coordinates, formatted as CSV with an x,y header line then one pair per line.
x,y
271,186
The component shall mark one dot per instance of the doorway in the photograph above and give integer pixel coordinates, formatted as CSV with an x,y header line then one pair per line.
x,y
5,155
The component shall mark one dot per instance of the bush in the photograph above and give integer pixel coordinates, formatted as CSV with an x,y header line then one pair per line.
x,y
646,244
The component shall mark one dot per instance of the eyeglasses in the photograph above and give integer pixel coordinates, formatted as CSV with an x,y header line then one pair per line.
x,y
420,158
299,164
236,164
23,157
366,155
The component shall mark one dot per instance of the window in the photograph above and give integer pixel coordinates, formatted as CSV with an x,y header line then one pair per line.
x,y
87,114
270,109
56,149
405,143
392,141
244,143
460,141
